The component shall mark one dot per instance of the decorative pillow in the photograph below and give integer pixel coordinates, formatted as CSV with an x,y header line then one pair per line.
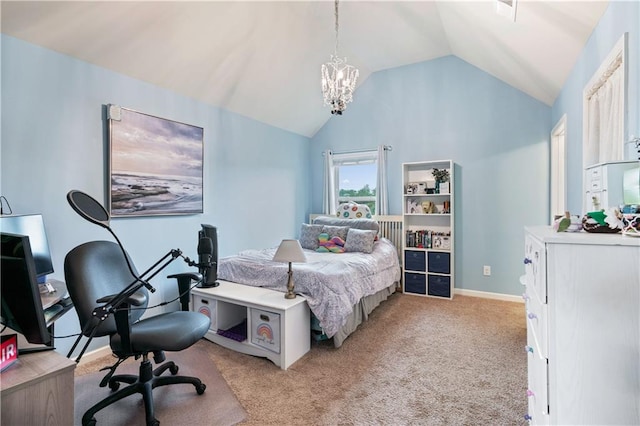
x,y
336,231
330,245
309,236
368,224
360,240
353,210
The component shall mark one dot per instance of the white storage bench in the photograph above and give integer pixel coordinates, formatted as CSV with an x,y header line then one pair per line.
x,y
256,321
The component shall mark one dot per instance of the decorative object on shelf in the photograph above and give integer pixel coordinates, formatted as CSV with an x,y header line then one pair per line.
x,y
428,207
290,251
410,189
601,222
338,79
631,225
567,223
441,176
413,207
156,165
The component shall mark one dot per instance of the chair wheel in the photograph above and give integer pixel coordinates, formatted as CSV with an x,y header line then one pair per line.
x,y
154,422
200,389
114,386
91,422
174,369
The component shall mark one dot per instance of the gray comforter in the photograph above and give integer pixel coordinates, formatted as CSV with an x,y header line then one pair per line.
x,y
332,283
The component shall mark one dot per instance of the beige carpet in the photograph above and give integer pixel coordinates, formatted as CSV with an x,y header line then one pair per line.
x,y
174,404
417,361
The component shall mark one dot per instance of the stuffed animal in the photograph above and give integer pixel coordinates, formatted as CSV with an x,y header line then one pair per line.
x,y
428,207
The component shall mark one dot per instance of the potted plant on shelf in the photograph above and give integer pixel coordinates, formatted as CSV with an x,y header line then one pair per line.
x,y
441,176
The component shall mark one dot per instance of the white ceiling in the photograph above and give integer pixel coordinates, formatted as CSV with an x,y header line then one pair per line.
x,y
262,59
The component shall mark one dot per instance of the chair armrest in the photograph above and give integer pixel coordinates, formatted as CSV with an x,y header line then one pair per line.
x,y
136,299
194,276
184,285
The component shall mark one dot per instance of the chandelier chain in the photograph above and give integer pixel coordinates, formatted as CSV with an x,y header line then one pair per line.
x,y
337,28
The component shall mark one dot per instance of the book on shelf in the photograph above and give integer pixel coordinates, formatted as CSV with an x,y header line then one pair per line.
x,y
428,239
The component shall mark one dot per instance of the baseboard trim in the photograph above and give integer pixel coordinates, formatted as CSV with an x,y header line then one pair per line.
x,y
488,295
95,354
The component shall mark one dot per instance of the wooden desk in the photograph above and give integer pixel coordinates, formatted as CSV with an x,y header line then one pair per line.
x,y
38,390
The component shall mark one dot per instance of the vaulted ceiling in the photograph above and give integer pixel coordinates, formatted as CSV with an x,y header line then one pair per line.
x,y
262,59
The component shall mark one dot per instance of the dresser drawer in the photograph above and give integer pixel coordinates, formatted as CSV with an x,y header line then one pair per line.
x,y
535,269
537,325
594,173
537,389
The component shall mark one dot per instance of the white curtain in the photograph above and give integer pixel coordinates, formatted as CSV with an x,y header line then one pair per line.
x,y
605,132
382,192
329,194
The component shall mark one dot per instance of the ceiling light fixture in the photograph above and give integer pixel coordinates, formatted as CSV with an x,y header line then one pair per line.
x,y
338,79
507,8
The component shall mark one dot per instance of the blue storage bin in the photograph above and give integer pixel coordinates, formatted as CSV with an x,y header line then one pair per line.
x,y
439,263
415,261
415,283
439,285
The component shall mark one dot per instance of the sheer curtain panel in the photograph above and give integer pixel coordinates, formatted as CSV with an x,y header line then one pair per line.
x,y
329,193
382,192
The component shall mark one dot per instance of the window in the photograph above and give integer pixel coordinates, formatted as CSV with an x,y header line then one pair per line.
x,y
604,109
356,177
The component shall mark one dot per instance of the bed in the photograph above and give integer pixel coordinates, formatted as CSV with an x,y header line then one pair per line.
x,y
341,289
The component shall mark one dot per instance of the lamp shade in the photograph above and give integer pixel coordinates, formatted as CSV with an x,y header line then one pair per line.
x,y
289,251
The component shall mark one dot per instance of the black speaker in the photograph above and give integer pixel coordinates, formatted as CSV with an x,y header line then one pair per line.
x,y
208,255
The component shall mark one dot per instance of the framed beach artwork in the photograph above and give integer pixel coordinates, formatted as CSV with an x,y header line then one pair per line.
x,y
155,165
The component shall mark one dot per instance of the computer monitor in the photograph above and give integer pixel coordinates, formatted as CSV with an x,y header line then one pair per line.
x,y
31,225
20,292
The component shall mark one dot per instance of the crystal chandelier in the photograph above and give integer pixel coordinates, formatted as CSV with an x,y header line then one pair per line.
x,y
338,79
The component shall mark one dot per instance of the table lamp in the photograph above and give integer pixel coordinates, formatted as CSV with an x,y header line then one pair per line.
x,y
289,251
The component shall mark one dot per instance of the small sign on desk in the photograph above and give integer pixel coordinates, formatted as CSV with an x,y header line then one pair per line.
x,y
9,350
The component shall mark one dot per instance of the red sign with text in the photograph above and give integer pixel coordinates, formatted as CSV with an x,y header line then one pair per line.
x,y
9,350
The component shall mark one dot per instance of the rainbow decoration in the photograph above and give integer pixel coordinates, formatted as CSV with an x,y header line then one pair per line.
x,y
265,331
205,310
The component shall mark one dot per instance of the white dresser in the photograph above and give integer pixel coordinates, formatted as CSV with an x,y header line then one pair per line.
x,y
583,327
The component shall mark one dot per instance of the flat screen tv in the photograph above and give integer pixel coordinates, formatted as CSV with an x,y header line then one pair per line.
x,y
31,225
20,292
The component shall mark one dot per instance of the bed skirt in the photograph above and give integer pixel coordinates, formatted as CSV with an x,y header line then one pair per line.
x,y
360,313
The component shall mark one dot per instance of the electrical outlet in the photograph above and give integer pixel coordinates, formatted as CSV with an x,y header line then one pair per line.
x,y
486,270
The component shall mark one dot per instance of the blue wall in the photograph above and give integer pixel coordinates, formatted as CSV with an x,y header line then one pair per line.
x,y
54,139
497,136
620,17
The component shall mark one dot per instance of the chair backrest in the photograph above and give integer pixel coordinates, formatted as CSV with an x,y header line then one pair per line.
x,y
94,270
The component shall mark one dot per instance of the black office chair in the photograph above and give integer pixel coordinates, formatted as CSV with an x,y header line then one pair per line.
x,y
94,273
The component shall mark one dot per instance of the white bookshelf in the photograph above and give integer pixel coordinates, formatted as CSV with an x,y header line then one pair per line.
x,y
428,222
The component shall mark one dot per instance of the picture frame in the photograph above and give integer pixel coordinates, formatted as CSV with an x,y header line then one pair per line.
x,y
155,165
